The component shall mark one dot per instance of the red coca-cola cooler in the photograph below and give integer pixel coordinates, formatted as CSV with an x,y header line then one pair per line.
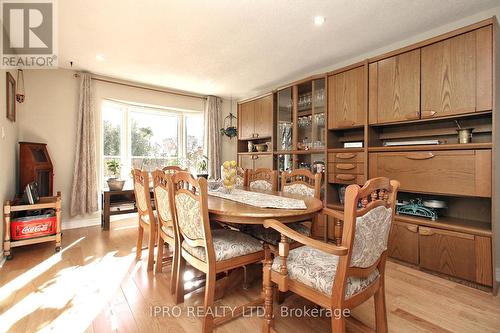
x,y
32,226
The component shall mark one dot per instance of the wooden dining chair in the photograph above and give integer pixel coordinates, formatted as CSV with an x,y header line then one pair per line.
x,y
262,179
165,221
145,215
172,168
338,277
210,251
299,182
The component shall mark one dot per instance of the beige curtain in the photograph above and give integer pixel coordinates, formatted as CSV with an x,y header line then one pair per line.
x,y
84,190
213,109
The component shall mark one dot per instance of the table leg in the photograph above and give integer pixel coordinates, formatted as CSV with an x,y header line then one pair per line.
x,y
6,242
106,211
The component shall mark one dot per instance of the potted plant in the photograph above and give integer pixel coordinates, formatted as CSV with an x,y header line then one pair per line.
x,y
114,183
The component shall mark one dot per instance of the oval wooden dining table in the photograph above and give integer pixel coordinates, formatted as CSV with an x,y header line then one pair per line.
x,y
225,210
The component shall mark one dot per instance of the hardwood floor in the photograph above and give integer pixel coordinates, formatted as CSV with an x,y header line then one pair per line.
x,y
95,285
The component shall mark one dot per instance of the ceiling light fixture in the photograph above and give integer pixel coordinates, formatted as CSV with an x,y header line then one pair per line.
x,y
99,57
319,20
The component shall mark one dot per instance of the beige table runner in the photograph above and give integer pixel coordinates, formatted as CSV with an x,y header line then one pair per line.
x,y
261,200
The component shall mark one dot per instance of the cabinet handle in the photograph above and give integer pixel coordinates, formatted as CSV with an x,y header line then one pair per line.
x,y
419,156
424,231
346,177
428,114
256,135
345,156
346,123
412,228
412,115
347,166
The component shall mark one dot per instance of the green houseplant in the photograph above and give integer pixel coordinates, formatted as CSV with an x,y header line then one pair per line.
x,y
114,183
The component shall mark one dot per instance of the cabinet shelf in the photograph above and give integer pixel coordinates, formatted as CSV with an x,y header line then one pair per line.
x,y
424,120
464,146
468,226
299,152
256,153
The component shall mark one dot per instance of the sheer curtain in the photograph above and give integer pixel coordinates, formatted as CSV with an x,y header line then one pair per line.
x,y
213,109
84,189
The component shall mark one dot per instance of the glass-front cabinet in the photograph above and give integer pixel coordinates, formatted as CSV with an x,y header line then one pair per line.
x,y
311,115
285,120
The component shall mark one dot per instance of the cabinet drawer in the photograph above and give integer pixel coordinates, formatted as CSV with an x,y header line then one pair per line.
x,y
346,178
463,172
403,242
346,157
347,167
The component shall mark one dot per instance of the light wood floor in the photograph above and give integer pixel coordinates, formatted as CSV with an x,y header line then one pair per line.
x,y
95,285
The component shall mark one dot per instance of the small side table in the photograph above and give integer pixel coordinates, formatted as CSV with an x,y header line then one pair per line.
x,y
44,203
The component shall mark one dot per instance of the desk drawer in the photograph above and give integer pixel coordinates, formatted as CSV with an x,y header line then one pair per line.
x,y
455,172
358,157
345,178
346,167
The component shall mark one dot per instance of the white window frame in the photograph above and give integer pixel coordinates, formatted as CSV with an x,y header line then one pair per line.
x,y
125,132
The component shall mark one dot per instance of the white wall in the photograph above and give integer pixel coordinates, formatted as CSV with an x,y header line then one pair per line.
x,y
8,148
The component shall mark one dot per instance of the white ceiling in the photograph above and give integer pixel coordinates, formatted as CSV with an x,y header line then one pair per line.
x,y
237,47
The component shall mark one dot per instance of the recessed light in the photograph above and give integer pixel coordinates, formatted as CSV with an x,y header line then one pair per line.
x,y
319,20
99,57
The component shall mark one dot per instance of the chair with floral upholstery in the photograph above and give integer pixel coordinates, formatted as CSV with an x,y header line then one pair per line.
x,y
210,251
145,214
165,221
299,182
338,277
262,179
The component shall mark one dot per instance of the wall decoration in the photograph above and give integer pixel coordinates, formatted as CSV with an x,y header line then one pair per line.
x,y
11,97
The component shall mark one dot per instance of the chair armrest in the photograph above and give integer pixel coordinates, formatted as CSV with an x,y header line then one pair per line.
x,y
333,213
298,237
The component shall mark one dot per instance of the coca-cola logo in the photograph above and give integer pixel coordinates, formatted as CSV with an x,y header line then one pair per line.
x,y
29,229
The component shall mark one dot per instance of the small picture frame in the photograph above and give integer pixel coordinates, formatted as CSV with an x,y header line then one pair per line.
x,y
11,97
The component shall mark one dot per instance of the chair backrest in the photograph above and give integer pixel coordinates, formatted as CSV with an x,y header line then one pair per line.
x,y
162,198
366,229
142,195
190,211
172,168
262,179
302,182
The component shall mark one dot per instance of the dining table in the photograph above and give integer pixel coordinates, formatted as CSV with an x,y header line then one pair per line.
x,y
233,212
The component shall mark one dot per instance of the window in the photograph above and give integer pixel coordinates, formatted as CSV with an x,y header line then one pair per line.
x,y
149,138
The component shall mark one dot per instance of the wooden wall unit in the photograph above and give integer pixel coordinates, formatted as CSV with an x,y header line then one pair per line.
x,y
255,118
395,88
417,92
346,98
457,74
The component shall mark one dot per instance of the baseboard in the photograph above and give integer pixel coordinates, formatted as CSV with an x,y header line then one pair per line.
x,y
2,260
81,223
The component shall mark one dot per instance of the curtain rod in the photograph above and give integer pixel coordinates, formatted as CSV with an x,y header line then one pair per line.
x,y
132,85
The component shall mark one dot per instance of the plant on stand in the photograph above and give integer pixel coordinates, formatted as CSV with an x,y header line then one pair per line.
x,y
114,183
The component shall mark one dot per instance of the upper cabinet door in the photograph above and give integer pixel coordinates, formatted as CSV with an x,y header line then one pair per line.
x,y
394,89
264,117
346,99
457,74
246,120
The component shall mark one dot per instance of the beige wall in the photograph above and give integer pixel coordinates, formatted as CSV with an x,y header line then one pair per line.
x,y
8,148
228,145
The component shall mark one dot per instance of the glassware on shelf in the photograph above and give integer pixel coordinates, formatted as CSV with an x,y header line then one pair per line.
x,y
285,135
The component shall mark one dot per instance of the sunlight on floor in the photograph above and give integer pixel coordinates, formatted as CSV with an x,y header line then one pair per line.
x,y
71,296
